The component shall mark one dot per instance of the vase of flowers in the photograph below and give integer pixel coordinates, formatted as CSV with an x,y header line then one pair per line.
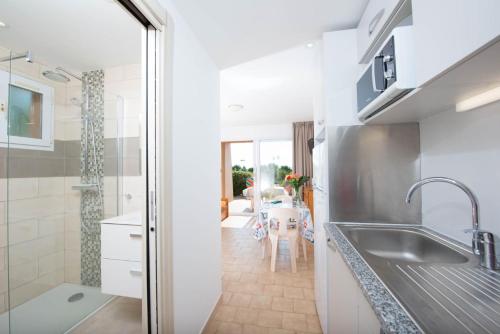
x,y
296,181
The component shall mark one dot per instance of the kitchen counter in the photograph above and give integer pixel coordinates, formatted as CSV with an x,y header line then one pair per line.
x,y
417,280
392,316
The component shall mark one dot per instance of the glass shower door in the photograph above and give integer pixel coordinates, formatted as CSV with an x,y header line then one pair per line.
x,y
5,70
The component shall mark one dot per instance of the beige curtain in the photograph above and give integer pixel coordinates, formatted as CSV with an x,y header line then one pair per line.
x,y
302,157
226,172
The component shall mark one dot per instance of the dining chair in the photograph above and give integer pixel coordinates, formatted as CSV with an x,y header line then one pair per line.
x,y
283,216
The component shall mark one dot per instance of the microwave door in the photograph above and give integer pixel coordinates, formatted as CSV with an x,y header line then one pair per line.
x,y
378,78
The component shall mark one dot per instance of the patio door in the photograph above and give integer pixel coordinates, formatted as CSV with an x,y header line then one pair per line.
x,y
238,177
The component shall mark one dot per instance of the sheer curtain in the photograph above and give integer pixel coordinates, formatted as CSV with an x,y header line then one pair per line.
x,y
302,155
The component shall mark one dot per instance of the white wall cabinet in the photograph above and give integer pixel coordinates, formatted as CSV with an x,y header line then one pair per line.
x,y
348,309
121,256
447,31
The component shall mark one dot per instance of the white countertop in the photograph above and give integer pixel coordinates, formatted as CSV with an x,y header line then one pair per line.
x,y
133,218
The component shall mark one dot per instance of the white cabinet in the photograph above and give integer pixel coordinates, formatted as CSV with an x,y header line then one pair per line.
x,y
372,26
348,309
121,256
447,31
321,215
340,72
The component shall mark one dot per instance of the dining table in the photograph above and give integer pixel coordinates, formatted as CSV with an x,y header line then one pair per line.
x,y
305,223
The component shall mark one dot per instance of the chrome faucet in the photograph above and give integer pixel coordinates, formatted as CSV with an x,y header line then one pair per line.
x,y
483,242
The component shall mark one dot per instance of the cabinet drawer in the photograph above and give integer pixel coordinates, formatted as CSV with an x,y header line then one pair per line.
x,y
121,278
121,242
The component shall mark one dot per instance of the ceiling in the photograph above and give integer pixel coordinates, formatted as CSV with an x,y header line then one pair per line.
x,y
272,89
236,31
80,35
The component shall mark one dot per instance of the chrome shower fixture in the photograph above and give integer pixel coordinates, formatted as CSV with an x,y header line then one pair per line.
x,y
28,56
55,76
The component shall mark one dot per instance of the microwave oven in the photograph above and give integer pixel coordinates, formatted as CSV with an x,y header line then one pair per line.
x,y
389,76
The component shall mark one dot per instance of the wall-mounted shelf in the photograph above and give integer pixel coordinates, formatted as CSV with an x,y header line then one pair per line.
x,y
472,76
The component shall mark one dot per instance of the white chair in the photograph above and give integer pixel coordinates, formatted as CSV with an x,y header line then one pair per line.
x,y
283,216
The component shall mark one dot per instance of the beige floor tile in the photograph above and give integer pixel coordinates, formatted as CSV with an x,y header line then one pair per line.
x,y
240,299
225,313
252,329
282,304
280,331
304,306
211,327
296,293
226,296
273,290
313,324
261,302
269,318
122,315
246,316
229,328
231,275
256,300
294,321
308,294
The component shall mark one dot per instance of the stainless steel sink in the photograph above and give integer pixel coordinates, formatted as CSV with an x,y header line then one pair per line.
x,y
402,245
437,280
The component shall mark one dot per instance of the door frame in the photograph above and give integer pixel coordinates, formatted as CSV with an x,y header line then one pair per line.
x,y
157,295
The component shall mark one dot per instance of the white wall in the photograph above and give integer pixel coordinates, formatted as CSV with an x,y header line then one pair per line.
x,y
257,132
464,146
196,248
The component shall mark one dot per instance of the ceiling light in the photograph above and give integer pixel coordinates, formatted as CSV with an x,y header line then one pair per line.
x,y
310,45
479,100
235,107
3,25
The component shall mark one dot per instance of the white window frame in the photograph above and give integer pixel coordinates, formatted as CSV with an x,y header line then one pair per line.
x,y
46,143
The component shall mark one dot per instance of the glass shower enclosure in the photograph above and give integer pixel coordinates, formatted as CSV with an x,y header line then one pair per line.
x,y
61,173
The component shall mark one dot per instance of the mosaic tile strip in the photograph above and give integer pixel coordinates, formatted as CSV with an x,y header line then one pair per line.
x,y
92,171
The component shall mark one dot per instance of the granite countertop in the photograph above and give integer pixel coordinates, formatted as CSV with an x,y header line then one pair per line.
x,y
392,316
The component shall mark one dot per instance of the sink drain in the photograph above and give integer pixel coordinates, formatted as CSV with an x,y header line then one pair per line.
x,y
75,297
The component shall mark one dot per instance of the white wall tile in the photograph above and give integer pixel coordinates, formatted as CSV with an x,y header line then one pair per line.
x,y
23,253
50,263
70,181
22,274
3,235
132,71
72,241
72,222
50,244
51,225
72,130
3,213
21,188
21,231
72,202
4,280
50,186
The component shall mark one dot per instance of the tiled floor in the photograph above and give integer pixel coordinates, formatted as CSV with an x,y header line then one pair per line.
x,y
120,316
256,300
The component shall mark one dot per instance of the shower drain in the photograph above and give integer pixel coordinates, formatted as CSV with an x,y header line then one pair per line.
x,y
75,297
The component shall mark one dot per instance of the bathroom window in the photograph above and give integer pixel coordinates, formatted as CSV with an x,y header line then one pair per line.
x,y
26,113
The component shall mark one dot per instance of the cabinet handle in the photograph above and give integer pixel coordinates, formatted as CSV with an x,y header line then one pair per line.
x,y
375,21
330,244
136,271
135,235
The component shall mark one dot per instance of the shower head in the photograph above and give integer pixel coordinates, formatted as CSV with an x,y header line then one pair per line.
x,y
54,76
